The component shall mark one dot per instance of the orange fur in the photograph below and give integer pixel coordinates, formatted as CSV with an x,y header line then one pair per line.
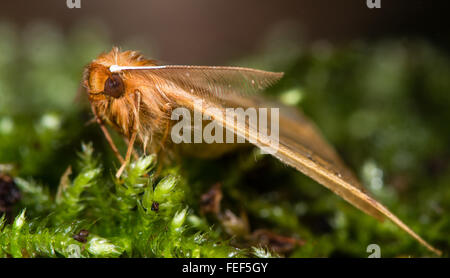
x,y
121,112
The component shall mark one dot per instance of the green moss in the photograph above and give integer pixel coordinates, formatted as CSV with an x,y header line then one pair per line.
x,y
117,214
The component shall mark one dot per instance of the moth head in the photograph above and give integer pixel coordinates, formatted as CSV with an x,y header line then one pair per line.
x,y
101,83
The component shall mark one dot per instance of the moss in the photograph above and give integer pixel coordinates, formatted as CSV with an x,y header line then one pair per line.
x,y
385,106
117,216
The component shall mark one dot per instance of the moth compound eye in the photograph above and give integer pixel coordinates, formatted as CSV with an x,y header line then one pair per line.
x,y
114,86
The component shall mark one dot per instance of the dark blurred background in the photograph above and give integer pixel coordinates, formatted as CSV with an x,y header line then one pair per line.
x,y
207,32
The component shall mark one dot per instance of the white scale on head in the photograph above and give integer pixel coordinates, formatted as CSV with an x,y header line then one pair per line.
x,y
116,68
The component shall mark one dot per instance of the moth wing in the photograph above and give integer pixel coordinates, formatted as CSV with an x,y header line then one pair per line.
x,y
300,144
214,82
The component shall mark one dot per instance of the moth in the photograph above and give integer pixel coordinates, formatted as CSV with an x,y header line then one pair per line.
x,y
136,96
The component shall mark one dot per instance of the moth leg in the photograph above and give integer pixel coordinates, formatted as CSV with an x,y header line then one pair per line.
x,y
128,156
91,121
132,139
168,108
164,138
107,136
158,170
135,154
144,147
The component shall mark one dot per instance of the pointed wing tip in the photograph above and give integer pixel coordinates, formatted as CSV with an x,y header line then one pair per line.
x,y
437,252
279,74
